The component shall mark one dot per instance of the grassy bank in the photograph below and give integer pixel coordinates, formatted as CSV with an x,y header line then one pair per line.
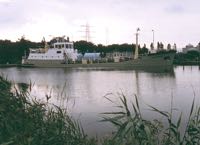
x,y
25,121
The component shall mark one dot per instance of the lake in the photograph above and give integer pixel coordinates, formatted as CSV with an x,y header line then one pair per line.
x,y
82,91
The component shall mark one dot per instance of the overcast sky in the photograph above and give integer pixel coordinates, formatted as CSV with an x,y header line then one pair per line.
x,y
111,21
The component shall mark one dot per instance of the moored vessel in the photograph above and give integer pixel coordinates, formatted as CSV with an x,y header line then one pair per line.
x,y
61,53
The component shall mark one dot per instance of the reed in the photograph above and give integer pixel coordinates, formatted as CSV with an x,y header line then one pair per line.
x,y
132,128
29,122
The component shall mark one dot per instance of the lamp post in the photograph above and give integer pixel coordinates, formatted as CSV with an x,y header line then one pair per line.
x,y
153,37
136,47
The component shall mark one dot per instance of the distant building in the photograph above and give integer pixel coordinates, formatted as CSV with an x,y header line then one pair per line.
x,y
91,57
190,47
117,56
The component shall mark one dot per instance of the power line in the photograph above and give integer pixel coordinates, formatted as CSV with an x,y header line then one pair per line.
x,y
87,37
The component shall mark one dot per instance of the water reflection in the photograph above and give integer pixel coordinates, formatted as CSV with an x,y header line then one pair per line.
x,y
82,90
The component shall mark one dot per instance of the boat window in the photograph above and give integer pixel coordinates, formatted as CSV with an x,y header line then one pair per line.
x,y
63,46
70,46
58,51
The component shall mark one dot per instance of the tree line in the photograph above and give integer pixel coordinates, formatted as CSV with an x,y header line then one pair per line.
x,y
12,52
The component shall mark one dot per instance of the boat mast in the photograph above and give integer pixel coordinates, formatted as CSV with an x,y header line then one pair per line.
x,y
136,47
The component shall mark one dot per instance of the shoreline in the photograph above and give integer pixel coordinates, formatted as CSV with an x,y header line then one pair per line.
x,y
188,63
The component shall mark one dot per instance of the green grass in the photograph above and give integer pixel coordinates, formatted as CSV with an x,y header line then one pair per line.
x,y
25,121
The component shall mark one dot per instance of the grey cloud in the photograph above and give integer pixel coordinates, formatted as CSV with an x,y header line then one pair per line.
x,y
175,8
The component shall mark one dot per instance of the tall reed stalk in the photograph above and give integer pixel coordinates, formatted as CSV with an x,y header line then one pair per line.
x,y
133,129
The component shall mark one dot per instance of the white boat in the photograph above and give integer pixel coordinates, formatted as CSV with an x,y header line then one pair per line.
x,y
60,51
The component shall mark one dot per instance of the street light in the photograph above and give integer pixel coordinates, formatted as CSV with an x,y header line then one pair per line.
x,y
136,47
153,37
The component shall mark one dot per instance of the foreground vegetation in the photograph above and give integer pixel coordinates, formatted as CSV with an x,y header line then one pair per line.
x,y
28,122
133,129
25,121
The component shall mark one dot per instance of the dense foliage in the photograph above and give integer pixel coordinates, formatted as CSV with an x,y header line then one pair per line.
x,y
191,57
12,52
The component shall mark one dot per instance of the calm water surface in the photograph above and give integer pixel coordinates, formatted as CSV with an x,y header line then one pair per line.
x,y
83,91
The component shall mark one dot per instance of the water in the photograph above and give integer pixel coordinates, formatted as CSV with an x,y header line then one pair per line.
x,y
83,91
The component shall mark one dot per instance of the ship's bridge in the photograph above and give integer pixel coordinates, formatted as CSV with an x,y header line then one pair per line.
x,y
61,42
59,49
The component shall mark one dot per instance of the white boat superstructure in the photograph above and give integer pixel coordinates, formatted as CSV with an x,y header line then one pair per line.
x,y
60,50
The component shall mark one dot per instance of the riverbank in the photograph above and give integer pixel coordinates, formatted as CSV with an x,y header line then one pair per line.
x,y
9,65
97,65
195,63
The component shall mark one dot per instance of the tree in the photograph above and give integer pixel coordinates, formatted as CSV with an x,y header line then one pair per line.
x,y
193,55
161,46
168,46
84,46
158,45
174,47
151,46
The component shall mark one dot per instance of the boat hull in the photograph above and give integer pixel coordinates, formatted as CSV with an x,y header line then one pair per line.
x,y
144,62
